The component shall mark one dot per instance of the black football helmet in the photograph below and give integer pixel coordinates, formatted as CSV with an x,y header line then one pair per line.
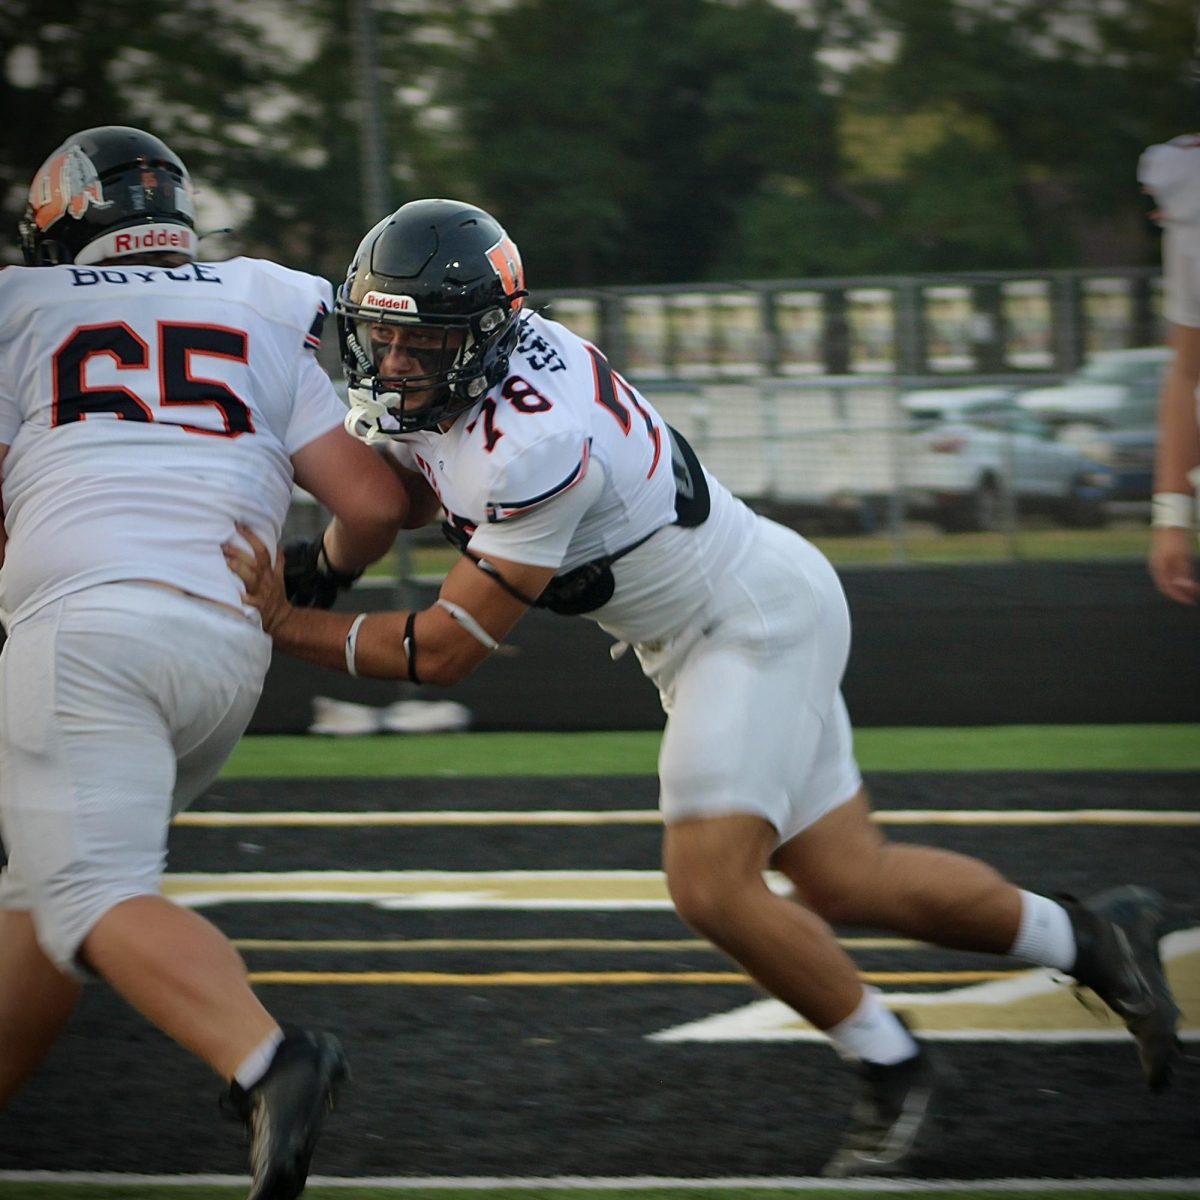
x,y
448,270
109,193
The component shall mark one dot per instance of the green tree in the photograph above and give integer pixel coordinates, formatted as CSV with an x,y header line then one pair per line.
x,y
194,73
623,141
261,103
1043,108
618,140
311,200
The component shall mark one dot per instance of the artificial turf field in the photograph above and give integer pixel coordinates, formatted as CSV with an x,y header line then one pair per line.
x,y
480,918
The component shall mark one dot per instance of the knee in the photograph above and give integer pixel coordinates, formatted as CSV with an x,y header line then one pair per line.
x,y
716,903
714,869
701,901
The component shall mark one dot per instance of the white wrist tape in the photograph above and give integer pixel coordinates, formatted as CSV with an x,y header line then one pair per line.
x,y
352,643
1173,510
469,623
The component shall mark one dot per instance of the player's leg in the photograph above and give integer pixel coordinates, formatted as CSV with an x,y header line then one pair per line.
x,y
747,701
723,769
845,869
748,732
714,868
86,786
36,999
183,713
181,973
93,752
175,967
734,740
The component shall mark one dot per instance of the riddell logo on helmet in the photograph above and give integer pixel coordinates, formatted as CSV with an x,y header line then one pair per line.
x,y
137,240
388,302
162,238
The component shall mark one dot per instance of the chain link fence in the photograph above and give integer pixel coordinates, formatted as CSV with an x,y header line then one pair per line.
x,y
898,413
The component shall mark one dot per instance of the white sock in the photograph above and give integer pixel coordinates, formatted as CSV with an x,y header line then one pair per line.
x,y
873,1033
1046,936
259,1059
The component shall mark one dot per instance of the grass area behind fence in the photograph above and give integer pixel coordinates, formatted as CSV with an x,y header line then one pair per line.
x,y
426,557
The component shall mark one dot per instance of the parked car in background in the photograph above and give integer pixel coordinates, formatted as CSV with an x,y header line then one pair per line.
x,y
1127,453
975,457
1115,389
1107,411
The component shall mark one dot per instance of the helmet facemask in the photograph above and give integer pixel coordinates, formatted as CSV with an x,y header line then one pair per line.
x,y
458,358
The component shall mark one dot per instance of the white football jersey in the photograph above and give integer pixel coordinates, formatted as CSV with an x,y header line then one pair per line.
x,y
563,462
1181,275
146,410
1171,173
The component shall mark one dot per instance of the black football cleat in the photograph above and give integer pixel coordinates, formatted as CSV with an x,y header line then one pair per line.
x,y
284,1110
888,1117
1116,939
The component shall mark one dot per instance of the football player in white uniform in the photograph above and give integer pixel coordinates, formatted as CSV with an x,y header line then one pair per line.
x,y
1171,174
148,402
563,487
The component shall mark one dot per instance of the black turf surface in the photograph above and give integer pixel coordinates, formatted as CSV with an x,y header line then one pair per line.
x,y
482,1080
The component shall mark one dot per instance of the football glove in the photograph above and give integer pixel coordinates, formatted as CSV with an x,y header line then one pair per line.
x,y
308,579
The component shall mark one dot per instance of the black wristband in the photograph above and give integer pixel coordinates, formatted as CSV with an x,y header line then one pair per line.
x,y
410,646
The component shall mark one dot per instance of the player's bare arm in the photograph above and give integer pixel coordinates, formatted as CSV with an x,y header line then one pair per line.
x,y
442,644
1172,553
423,503
369,502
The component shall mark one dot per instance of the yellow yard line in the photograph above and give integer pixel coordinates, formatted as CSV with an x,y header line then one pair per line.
x,y
577,978
916,816
470,889
510,945
218,820
1033,816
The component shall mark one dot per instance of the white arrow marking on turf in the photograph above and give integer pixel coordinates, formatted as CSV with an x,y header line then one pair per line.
x,y
1030,1006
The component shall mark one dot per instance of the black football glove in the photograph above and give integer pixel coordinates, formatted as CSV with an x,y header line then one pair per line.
x,y
308,579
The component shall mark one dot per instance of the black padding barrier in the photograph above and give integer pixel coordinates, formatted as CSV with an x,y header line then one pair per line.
x,y
1003,644
1032,643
